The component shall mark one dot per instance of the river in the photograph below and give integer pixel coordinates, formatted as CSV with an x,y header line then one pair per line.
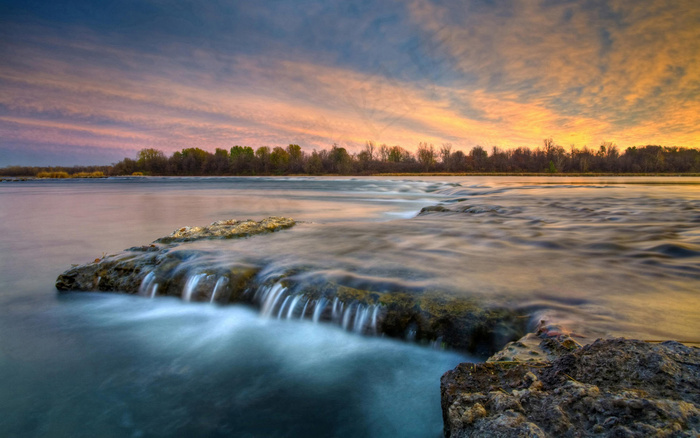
x,y
600,256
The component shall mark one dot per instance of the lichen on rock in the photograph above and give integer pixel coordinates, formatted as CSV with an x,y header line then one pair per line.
x,y
228,229
613,387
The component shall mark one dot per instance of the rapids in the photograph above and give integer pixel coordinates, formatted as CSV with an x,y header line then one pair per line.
x,y
602,256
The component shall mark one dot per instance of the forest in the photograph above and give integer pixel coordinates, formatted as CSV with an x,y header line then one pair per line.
x,y
373,159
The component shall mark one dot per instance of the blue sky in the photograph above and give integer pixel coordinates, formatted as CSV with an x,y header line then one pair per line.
x,y
94,82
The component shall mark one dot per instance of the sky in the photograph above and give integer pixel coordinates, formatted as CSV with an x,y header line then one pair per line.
x,y
92,82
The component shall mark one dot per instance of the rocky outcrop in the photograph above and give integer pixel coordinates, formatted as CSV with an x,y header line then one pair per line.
x,y
156,269
557,388
168,267
228,229
437,317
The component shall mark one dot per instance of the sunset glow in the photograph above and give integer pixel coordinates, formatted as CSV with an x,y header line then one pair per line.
x,y
85,83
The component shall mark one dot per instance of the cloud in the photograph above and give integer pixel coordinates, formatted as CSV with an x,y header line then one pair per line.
x,y
627,65
505,73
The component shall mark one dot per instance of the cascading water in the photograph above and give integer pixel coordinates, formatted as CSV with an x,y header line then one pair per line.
x,y
148,287
346,317
269,299
219,283
146,284
295,301
362,312
374,319
334,312
303,311
191,286
318,309
284,303
276,301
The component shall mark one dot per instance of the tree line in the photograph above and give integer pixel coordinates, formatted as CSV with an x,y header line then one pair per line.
x,y
377,159
374,159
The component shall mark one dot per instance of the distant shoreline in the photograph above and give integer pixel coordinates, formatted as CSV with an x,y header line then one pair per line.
x,y
437,174
539,174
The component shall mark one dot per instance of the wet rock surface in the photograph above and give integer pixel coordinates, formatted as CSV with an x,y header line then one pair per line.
x,y
129,271
558,388
428,317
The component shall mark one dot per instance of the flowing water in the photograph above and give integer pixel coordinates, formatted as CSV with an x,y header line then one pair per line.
x,y
603,256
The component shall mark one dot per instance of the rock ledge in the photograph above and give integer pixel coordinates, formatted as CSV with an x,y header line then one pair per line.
x,y
171,267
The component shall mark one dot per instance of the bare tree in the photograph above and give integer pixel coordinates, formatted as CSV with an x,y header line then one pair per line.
x,y
446,155
370,148
548,147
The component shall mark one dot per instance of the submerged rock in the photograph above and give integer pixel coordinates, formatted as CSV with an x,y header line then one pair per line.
x,y
557,388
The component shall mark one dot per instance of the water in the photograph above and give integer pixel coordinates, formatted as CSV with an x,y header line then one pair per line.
x,y
605,256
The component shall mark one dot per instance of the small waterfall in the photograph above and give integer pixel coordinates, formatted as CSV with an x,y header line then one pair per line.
x,y
295,301
346,317
146,283
356,321
284,303
276,299
191,286
437,344
411,334
270,298
374,318
220,282
260,293
334,311
318,310
279,302
360,322
154,289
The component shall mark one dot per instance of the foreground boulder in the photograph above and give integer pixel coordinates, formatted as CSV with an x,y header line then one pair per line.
x,y
556,388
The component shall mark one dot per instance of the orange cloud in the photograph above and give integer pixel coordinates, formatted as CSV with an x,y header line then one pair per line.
x,y
538,79
626,70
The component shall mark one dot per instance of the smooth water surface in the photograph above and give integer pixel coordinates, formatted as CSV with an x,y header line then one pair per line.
x,y
604,256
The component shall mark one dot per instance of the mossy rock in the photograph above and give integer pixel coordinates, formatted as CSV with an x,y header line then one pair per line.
x,y
434,316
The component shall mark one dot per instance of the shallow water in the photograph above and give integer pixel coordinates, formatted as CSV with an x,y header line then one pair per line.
x,y
605,256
